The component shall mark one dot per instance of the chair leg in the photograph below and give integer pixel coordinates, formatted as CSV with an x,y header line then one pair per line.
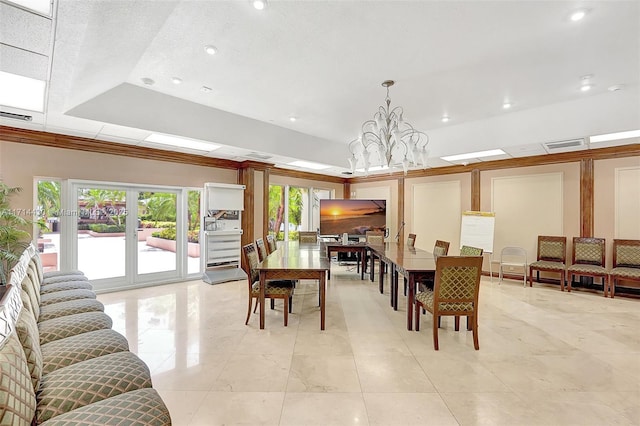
x,y
474,320
249,310
456,323
290,303
439,321
273,303
436,321
286,310
417,316
469,326
255,307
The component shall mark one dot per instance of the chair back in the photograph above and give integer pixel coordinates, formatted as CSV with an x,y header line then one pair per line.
x,y
250,255
308,237
626,253
374,237
456,286
471,251
553,249
411,240
510,254
271,243
441,248
588,251
262,249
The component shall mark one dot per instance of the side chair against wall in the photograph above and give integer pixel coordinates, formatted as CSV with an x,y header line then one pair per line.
x,y
514,257
552,256
455,293
271,243
308,237
262,249
274,289
626,263
588,260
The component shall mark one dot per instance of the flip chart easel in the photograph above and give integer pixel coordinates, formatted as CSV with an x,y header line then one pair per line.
x,y
476,230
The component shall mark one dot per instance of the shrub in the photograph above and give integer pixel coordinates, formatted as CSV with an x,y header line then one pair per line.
x,y
170,234
106,229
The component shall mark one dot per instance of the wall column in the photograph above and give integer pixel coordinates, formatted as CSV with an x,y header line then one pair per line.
x,y
475,190
586,197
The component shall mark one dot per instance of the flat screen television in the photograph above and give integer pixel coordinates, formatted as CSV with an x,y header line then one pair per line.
x,y
355,217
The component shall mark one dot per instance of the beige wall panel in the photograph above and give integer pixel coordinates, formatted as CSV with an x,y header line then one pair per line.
x,y
384,190
605,192
258,204
414,212
627,203
22,162
518,220
436,214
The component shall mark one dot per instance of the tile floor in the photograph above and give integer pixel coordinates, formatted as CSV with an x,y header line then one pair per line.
x,y
545,358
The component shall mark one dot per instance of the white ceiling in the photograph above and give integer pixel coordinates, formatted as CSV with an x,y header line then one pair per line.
x,y
323,62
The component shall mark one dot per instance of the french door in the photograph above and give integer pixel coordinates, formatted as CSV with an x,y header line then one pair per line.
x,y
130,235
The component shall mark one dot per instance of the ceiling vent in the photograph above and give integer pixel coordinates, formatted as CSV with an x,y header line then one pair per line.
x,y
13,116
258,156
572,143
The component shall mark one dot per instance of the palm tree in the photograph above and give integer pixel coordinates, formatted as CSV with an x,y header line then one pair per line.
x,y
13,236
48,199
161,206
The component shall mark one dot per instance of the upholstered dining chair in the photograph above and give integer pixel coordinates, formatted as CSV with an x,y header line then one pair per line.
x,y
470,251
441,248
455,293
375,238
588,259
274,289
262,249
626,263
411,240
552,256
271,243
308,237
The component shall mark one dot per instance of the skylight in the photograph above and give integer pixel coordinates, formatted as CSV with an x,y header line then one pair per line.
x,y
22,92
615,136
181,142
42,6
309,165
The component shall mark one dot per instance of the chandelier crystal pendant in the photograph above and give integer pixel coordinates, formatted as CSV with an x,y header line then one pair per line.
x,y
389,140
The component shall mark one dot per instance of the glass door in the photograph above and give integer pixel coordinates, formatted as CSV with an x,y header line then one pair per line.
x,y
157,243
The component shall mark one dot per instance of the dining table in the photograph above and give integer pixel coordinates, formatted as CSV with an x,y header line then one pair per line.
x,y
295,261
413,263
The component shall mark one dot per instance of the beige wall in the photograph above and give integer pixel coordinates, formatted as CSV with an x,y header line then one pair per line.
x,y
383,190
433,209
20,163
616,201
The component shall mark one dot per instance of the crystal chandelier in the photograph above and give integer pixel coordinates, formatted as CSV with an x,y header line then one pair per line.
x,y
388,137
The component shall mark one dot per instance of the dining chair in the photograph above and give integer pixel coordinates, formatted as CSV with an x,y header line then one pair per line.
x,y
274,289
271,243
470,251
411,240
552,256
588,259
375,238
441,248
262,249
513,257
308,237
455,293
626,263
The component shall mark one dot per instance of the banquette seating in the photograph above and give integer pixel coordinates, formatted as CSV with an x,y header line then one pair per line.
x,y
62,364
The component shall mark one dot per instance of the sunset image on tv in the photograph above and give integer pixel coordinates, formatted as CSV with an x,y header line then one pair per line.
x,y
355,217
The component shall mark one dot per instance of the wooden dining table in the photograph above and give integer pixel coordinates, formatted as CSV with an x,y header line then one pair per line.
x,y
414,264
295,261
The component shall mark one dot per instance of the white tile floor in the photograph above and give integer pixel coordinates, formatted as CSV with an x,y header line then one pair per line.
x,y
545,358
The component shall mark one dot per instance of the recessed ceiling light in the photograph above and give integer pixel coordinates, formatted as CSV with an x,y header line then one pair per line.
x,y
507,105
211,50
148,81
206,89
292,119
181,142
445,118
615,136
374,169
309,165
22,92
578,15
259,4
585,87
176,80
615,87
479,154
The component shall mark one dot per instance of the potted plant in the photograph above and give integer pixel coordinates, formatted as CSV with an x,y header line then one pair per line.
x,y
13,235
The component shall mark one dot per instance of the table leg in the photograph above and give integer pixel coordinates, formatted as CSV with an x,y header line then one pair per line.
x,y
371,271
322,297
380,279
410,302
361,261
261,298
